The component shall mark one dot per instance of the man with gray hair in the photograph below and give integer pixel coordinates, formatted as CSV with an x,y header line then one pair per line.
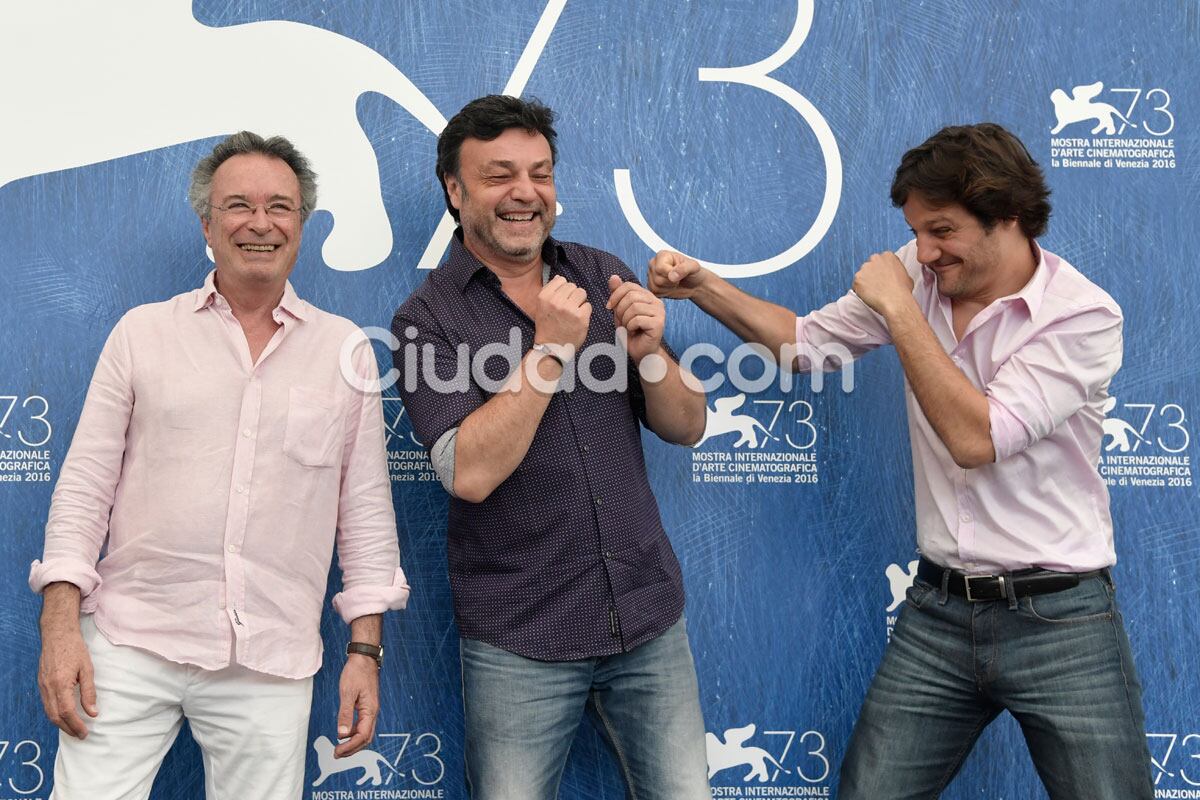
x,y
220,456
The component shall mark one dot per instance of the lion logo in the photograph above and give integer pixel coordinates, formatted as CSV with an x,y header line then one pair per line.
x,y
1124,437
722,420
367,760
125,74
732,752
900,579
1079,107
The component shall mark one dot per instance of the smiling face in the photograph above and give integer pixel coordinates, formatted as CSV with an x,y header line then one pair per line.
x,y
966,259
256,249
504,193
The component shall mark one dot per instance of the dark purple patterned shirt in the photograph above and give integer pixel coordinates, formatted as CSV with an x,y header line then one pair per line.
x,y
567,558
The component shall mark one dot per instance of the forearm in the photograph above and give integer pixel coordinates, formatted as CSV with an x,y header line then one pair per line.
x,y
60,608
957,410
674,409
752,319
367,629
493,440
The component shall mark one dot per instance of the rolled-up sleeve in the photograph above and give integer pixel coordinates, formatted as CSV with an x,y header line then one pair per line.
x,y
368,550
1053,375
83,498
846,329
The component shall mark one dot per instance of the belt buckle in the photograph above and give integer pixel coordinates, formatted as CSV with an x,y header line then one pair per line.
x,y
967,583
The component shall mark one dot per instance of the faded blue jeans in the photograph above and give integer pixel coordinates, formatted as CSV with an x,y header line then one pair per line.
x,y
522,715
1059,663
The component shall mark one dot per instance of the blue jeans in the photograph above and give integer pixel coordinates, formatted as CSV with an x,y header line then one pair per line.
x,y
521,716
1059,663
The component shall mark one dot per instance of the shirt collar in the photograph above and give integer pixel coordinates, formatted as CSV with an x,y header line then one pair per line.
x,y
462,265
290,302
1033,292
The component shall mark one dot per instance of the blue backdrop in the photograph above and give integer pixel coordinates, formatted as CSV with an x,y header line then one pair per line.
x,y
778,172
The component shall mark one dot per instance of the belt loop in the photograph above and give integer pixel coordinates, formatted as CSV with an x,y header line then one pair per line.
x,y
1010,591
944,592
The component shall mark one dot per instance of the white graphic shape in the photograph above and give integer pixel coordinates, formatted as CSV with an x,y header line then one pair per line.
x,y
1079,107
366,760
110,80
899,579
733,752
758,76
1123,436
722,420
515,86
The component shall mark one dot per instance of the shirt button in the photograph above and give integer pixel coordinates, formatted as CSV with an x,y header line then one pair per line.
x,y
964,518
232,548
246,433
241,489
586,448
608,553
599,502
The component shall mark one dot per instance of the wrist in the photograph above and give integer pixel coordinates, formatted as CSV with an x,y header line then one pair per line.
x,y
364,652
896,309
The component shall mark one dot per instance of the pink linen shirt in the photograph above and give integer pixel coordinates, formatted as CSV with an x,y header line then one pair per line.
x,y
222,487
1044,357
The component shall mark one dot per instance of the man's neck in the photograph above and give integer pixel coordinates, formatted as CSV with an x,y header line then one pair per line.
x,y
253,303
1012,275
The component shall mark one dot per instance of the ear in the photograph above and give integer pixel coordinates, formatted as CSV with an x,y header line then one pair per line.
x,y
204,223
454,190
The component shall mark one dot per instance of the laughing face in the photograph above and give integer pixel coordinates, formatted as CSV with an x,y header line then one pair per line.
x,y
504,193
253,231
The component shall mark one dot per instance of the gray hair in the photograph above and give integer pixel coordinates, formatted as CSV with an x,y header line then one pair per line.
x,y
242,143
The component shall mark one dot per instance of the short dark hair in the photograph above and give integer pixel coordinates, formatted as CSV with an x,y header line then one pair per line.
x,y
486,118
983,168
242,143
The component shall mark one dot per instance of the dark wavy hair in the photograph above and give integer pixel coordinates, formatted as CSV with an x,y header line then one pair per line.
x,y
983,168
486,118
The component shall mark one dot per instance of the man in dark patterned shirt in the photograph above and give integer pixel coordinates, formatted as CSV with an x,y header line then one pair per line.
x,y
527,365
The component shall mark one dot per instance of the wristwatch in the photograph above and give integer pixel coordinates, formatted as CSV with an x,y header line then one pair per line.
x,y
375,651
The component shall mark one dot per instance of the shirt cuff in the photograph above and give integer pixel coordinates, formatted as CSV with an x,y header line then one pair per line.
x,y
361,601
42,574
1009,435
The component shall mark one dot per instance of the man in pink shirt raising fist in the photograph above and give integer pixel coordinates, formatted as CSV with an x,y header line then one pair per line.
x,y
1008,351
222,453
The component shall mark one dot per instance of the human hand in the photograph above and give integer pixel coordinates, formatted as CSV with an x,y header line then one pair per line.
x,y
674,275
640,313
563,314
358,691
882,282
66,664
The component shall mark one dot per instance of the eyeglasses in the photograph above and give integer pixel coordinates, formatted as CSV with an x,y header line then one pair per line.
x,y
240,209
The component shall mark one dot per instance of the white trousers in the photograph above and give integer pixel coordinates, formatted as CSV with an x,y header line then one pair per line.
x,y
251,728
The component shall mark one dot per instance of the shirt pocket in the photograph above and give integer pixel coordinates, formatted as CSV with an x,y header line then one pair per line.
x,y
314,427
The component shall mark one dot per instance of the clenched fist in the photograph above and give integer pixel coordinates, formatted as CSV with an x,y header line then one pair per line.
x,y
640,313
563,314
675,275
882,282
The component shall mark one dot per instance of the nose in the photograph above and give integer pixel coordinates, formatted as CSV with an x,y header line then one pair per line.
x,y
928,251
260,221
522,189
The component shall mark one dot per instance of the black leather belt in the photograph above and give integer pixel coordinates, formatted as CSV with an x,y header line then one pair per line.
x,y
1022,583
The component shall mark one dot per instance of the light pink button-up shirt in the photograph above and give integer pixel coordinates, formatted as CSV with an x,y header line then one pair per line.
x,y
1044,357
228,483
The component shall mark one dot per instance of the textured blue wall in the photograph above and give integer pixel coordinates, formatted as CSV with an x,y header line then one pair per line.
x,y
787,586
